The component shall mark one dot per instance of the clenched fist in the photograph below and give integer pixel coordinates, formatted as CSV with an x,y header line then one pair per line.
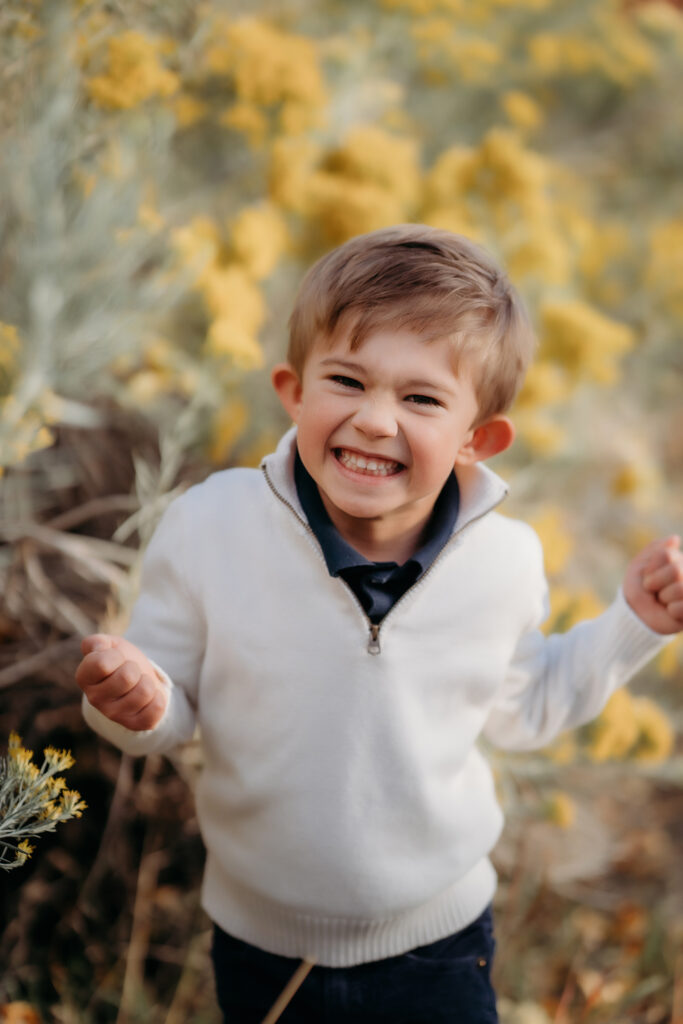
x,y
653,585
121,682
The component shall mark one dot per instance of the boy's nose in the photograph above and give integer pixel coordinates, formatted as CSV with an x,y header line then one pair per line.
x,y
375,419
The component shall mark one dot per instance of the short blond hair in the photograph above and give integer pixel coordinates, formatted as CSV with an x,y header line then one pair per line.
x,y
426,280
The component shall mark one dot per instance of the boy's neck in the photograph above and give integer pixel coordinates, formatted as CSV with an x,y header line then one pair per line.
x,y
380,540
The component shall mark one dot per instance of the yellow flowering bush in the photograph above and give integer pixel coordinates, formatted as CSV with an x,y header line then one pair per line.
x,y
555,537
33,799
259,239
133,73
269,70
664,270
583,340
630,727
560,809
168,173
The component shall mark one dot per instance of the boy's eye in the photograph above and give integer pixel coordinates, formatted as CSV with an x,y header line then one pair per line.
x,y
348,382
422,400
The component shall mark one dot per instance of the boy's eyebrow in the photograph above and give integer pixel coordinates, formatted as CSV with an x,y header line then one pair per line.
x,y
347,364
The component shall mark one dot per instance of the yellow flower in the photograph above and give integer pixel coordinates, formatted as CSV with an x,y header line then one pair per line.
x,y
583,340
421,7
522,110
432,30
259,238
661,18
10,349
615,732
627,55
630,727
268,66
543,254
133,73
373,156
664,274
24,850
228,426
570,606
72,806
560,810
452,218
58,760
475,57
555,538
669,660
197,244
637,479
511,178
144,387
248,119
229,291
345,208
545,384
16,751
545,50
452,175
188,110
228,337
655,733
292,163
370,181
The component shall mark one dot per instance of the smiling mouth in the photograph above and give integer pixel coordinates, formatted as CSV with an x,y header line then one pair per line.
x,y
367,465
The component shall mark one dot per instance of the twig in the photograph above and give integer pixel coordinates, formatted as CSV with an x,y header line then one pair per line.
x,y
288,992
56,601
15,673
151,863
567,992
96,507
81,547
192,967
115,817
677,1008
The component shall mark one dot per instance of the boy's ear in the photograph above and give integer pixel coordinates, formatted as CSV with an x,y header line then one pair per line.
x,y
288,387
490,438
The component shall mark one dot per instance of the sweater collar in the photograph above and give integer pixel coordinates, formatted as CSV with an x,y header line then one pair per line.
x,y
481,490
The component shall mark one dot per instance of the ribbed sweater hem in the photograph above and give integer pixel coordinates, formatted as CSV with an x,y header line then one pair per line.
x,y
343,941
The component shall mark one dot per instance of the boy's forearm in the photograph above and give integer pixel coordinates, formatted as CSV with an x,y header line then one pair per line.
x,y
563,681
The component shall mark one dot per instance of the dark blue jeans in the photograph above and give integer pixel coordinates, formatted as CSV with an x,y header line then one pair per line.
x,y
447,982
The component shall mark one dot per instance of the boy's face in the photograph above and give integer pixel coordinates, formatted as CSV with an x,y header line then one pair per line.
x,y
381,428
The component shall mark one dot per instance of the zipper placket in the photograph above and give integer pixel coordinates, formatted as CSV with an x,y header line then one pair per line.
x,y
374,645
372,627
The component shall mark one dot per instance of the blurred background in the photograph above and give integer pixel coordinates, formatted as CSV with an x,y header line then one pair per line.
x,y
167,173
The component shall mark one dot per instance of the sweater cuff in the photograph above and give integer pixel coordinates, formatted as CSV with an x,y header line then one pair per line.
x,y
640,642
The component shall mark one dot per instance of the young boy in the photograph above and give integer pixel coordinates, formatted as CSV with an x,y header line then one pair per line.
x,y
344,624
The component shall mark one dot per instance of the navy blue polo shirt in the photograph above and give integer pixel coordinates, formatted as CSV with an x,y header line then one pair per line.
x,y
377,585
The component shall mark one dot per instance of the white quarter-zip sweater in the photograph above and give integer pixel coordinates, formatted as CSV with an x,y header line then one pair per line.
x,y
346,809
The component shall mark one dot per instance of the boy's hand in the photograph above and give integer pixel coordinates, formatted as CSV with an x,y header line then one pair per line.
x,y
120,681
653,585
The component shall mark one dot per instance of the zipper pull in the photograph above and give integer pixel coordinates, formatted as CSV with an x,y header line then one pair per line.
x,y
373,642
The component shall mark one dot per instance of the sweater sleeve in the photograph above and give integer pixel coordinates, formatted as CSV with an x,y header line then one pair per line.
x,y
564,680
167,625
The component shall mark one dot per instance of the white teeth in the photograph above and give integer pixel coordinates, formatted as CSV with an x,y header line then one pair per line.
x,y
373,467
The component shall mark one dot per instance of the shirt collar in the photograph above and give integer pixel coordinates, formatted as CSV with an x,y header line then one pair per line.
x,y
481,490
339,555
